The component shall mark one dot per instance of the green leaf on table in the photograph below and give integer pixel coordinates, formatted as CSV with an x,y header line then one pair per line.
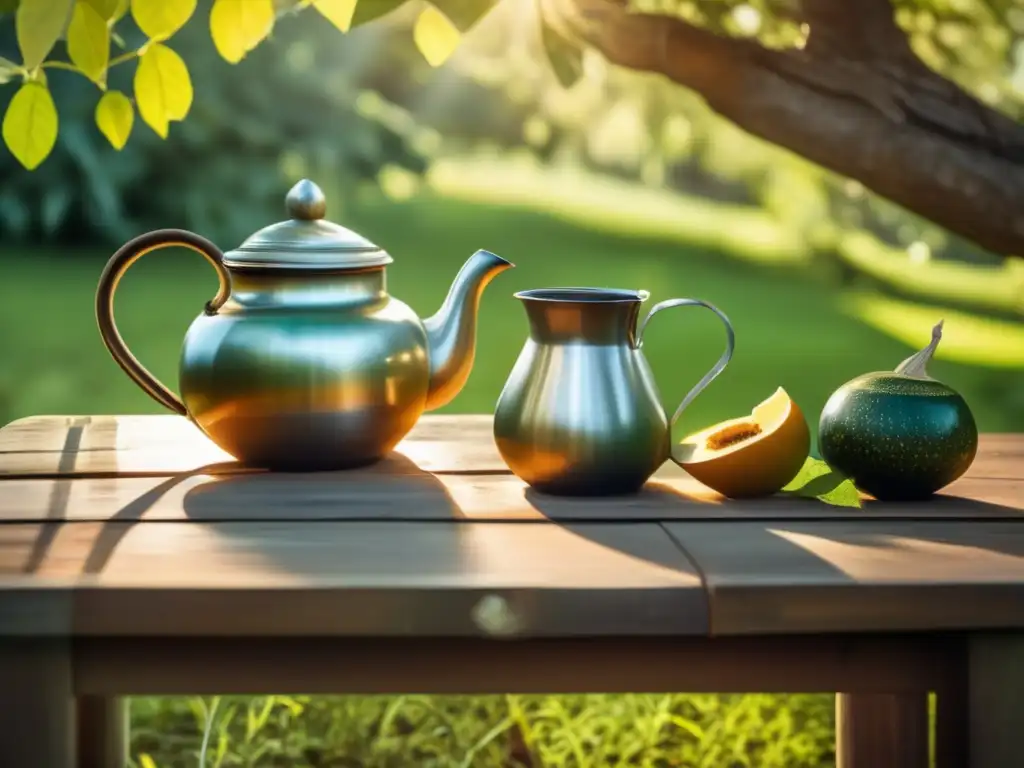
x,y
38,25
163,88
238,26
30,125
114,118
89,42
435,36
159,19
8,70
817,480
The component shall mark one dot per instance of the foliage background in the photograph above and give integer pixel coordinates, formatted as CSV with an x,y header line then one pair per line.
x,y
620,180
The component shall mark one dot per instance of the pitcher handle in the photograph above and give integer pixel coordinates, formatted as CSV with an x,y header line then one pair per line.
x,y
717,368
118,264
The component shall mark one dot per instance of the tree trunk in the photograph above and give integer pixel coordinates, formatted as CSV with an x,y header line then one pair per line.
x,y
855,99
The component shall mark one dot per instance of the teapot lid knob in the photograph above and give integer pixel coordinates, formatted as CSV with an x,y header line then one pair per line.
x,y
306,240
306,201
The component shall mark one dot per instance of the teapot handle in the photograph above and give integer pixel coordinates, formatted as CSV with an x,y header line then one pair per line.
x,y
118,264
717,368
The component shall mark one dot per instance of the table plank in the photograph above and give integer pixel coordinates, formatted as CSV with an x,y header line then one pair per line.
x,y
162,445
373,495
775,577
379,579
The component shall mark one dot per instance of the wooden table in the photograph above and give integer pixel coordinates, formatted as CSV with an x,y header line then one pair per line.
x,y
136,558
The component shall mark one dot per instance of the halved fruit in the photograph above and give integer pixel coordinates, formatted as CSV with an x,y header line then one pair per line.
x,y
756,455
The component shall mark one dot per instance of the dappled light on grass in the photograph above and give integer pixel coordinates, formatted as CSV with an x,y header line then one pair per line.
x,y
999,288
966,339
610,205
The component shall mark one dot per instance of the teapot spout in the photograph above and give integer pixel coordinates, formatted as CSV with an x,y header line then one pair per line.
x,y
451,332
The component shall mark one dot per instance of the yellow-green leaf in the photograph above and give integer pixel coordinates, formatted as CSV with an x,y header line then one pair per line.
x,y
163,88
435,36
8,70
122,8
338,12
145,761
370,10
114,118
38,25
464,13
565,57
108,9
30,125
159,19
89,42
238,26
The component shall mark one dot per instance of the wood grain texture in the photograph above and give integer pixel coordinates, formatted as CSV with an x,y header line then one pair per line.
x,y
385,578
796,577
881,730
369,495
165,445
162,445
809,664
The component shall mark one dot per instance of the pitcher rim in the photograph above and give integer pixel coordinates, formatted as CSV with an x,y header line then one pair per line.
x,y
582,295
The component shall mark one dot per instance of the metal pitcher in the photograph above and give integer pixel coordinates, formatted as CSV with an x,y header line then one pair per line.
x,y
580,413
303,360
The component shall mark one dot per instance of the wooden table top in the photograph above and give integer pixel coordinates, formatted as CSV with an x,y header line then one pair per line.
x,y
139,526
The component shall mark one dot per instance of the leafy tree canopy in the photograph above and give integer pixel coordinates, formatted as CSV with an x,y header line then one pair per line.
x,y
909,97
98,35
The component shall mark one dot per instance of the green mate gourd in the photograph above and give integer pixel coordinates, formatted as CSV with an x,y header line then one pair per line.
x,y
899,435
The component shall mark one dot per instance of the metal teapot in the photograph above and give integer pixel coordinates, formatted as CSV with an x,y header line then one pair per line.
x,y
303,361
580,414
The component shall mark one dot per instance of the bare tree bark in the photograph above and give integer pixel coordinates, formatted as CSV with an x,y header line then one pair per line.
x,y
855,99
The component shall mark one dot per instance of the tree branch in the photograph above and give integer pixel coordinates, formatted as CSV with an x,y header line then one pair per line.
x,y
856,100
863,30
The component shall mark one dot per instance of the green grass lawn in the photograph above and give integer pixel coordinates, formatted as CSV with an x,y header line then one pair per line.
x,y
653,731
791,331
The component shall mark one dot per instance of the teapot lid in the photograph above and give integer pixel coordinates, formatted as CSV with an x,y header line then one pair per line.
x,y
306,240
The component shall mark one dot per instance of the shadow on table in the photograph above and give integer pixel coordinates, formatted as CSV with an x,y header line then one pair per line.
x,y
660,501
792,541
240,509
117,526
392,489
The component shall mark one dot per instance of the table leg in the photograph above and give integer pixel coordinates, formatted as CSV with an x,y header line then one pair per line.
x,y
951,741
37,706
996,699
102,732
881,730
